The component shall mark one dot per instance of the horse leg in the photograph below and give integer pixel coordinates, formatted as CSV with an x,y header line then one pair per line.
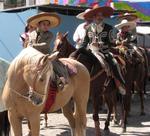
x,y
4,125
140,90
115,110
68,113
96,107
16,123
45,120
81,97
124,106
80,117
110,99
34,121
7,124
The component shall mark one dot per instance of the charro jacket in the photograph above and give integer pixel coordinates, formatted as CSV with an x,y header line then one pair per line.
x,y
40,41
100,34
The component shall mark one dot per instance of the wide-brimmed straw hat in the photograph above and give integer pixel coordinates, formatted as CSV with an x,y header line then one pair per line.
x,y
106,11
81,15
128,16
125,22
53,18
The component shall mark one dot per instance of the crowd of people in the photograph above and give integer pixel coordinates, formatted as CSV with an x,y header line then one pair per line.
x,y
93,37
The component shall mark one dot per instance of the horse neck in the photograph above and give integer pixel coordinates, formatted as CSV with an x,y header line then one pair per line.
x,y
70,47
16,68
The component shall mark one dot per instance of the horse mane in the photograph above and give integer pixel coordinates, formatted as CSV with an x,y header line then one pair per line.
x,y
28,55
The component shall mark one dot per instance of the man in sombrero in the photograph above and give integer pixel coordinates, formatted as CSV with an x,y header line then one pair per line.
x,y
40,38
80,31
126,37
99,35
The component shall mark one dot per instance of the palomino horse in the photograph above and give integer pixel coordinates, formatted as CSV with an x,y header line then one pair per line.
x,y
4,123
25,92
102,86
133,66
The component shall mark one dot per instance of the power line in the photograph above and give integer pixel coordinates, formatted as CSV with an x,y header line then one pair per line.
x,y
20,19
9,52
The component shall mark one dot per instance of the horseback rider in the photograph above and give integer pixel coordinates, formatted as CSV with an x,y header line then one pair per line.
x,y
127,37
41,37
80,31
99,34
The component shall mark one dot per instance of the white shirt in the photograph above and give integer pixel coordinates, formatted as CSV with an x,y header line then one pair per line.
x,y
79,34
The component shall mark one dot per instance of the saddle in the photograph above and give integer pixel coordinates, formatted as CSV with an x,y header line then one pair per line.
x,y
63,69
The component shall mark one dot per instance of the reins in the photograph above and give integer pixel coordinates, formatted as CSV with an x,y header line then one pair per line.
x,y
41,69
97,75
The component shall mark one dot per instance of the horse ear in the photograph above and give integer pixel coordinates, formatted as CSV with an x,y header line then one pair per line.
x,y
53,56
66,34
44,59
58,33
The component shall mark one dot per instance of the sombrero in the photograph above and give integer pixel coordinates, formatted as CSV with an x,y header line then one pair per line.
x,y
53,18
128,16
81,15
125,22
105,10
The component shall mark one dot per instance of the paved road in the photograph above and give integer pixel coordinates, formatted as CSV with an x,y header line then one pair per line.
x,y
137,125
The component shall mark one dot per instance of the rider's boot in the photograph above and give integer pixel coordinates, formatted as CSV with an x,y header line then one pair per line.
x,y
119,80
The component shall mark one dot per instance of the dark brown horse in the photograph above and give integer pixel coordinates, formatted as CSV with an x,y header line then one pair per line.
x,y
4,124
133,66
147,50
102,85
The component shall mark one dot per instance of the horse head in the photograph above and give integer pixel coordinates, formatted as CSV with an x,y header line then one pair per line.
x,y
37,78
62,45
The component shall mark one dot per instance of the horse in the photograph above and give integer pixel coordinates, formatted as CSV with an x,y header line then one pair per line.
x,y
4,125
148,57
102,85
26,89
133,66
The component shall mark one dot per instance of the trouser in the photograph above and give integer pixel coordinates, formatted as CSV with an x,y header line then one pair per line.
x,y
114,66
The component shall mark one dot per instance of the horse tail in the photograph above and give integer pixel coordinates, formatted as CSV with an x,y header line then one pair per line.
x,y
4,124
144,53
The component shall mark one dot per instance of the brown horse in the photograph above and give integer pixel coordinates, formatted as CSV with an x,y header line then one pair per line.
x,y
25,92
133,66
102,85
147,50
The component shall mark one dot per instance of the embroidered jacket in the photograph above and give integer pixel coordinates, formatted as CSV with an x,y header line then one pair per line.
x,y
40,41
99,33
128,37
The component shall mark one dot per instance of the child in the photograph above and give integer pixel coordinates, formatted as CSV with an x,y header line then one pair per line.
x,y
24,37
41,37
125,36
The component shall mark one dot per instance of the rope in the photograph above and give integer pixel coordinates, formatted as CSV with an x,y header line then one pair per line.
x,y
20,19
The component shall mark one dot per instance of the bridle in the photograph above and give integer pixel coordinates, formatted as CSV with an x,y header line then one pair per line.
x,y
40,70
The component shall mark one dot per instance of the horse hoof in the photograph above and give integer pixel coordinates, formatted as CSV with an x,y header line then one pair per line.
x,y
123,130
106,132
142,114
116,122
